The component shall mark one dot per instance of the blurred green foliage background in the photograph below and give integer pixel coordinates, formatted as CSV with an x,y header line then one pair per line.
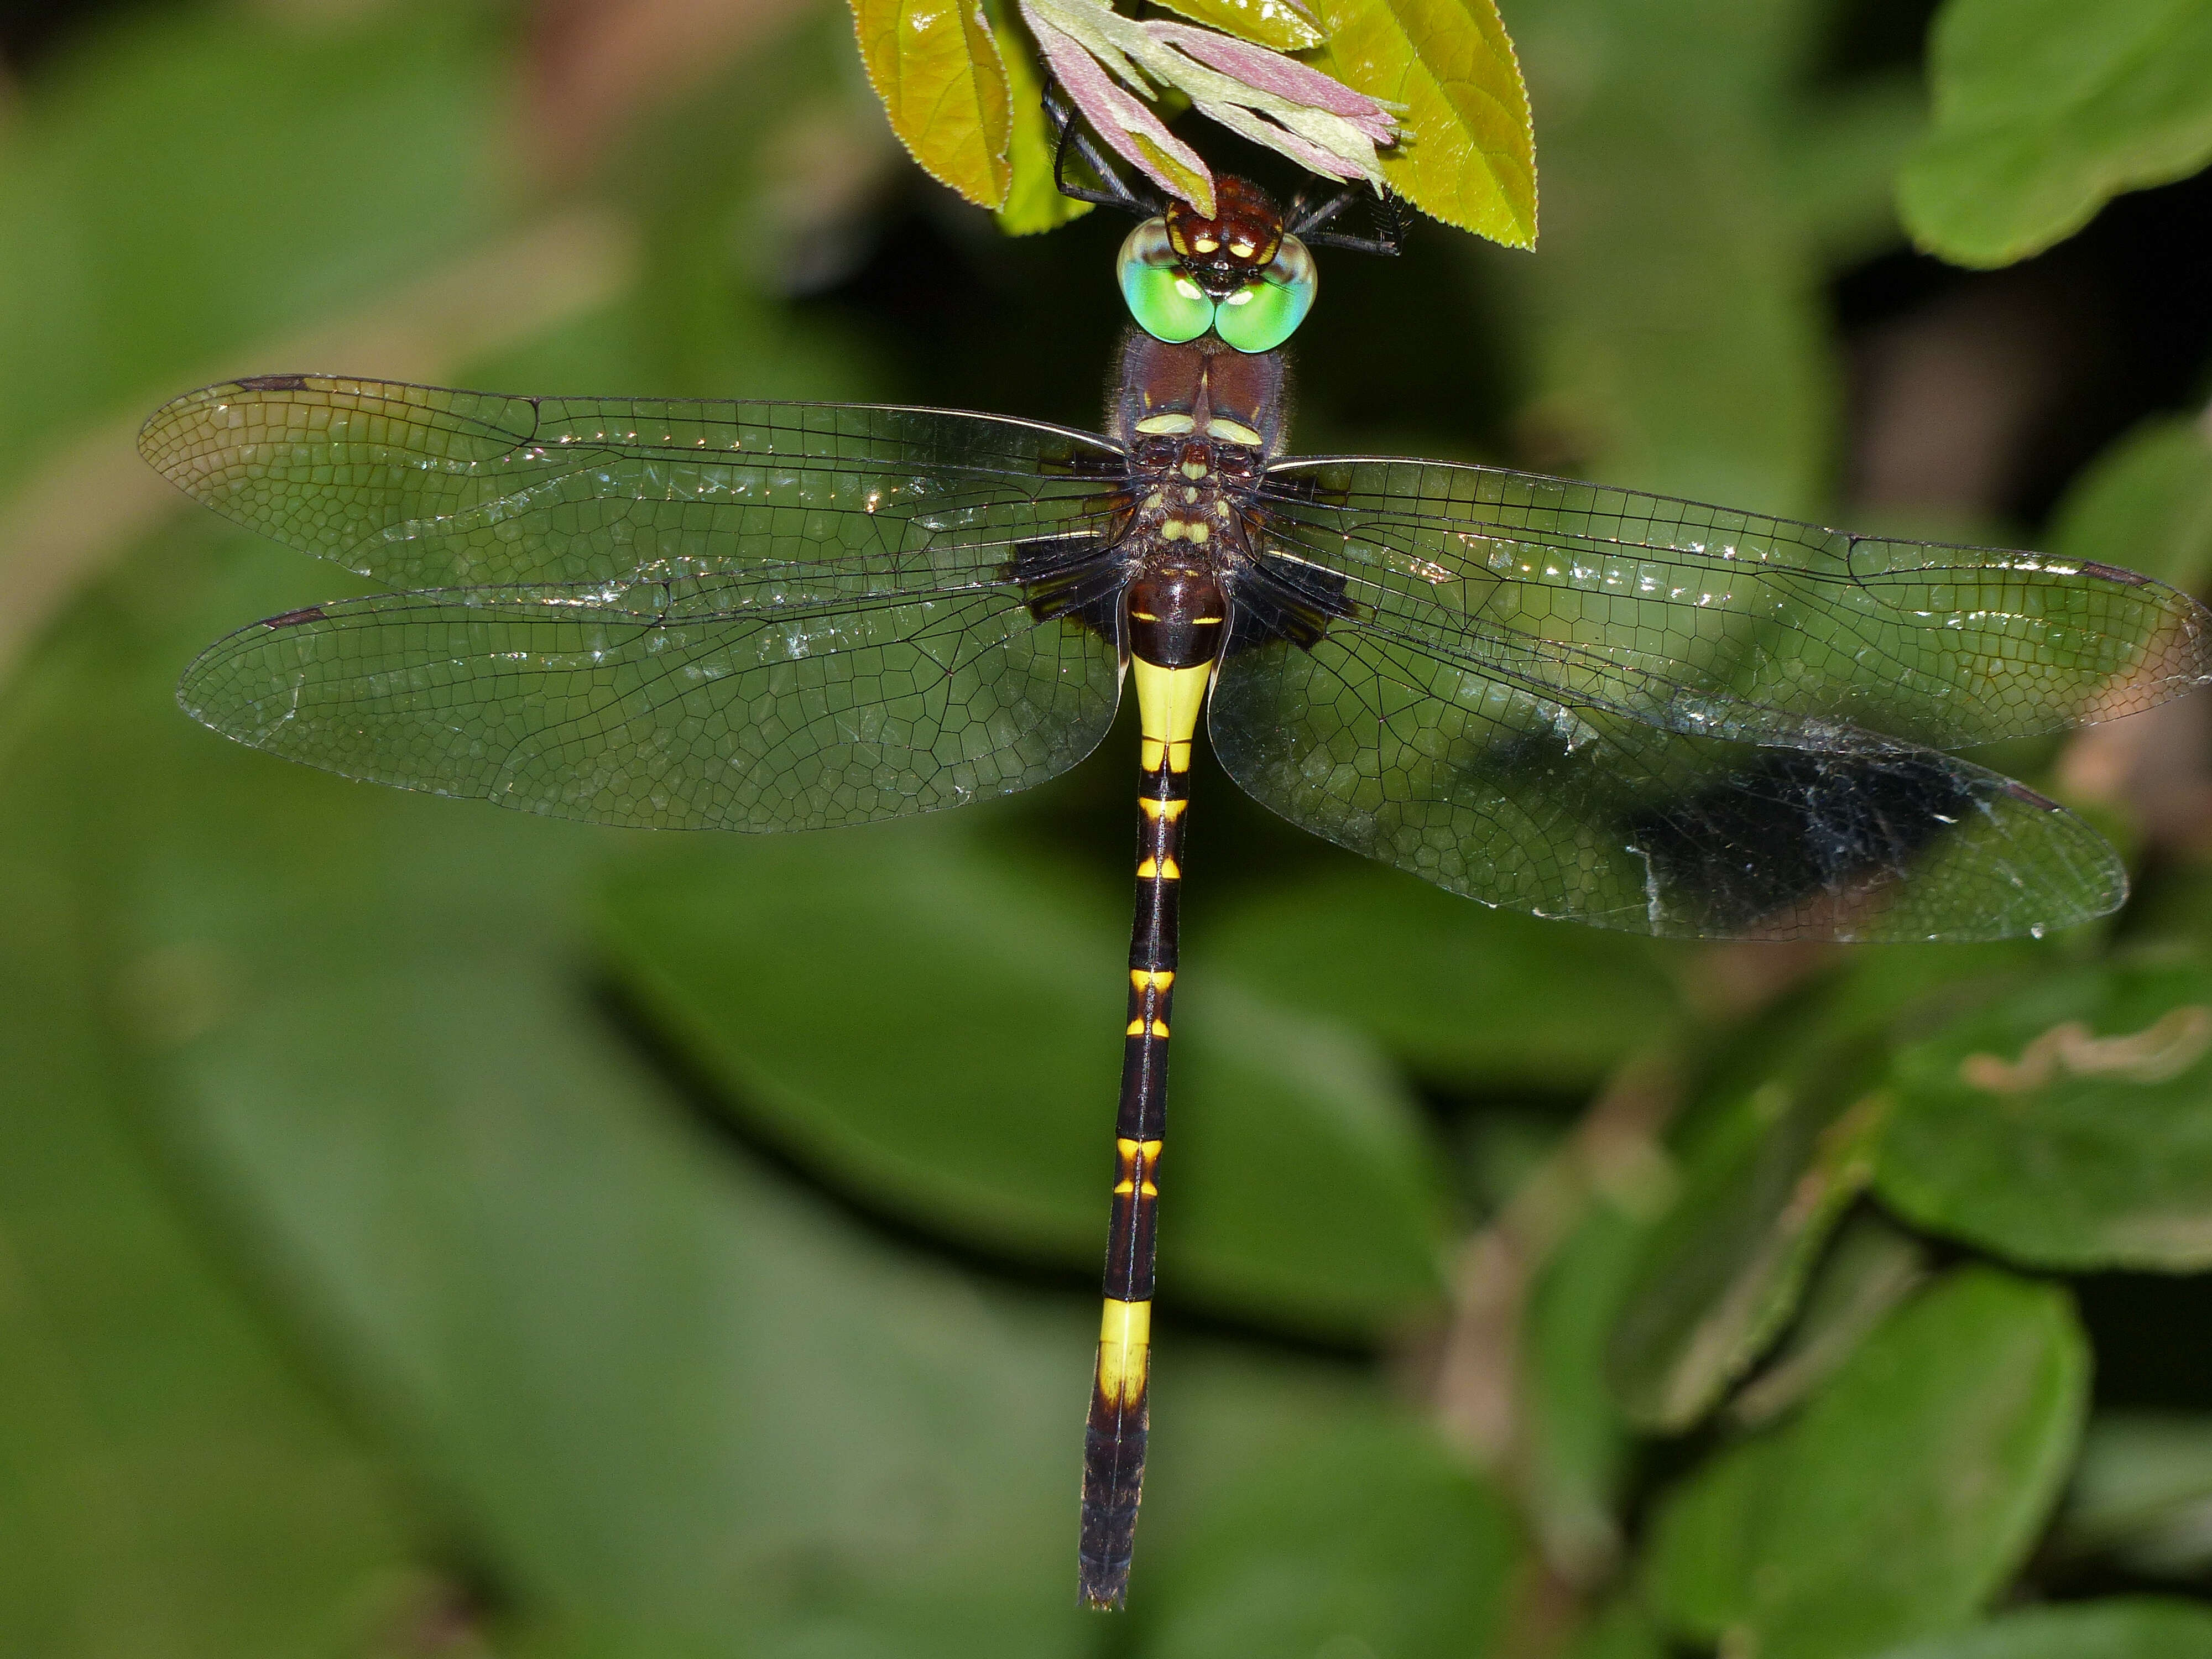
x,y
428,1231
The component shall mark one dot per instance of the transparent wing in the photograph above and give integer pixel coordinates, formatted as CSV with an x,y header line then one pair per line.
x,y
1700,619
783,701
421,487
1489,790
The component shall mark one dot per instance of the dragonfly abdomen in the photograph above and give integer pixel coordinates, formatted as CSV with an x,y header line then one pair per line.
x,y
1177,615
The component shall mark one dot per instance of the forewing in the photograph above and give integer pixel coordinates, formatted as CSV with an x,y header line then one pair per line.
x,y
1486,789
1701,619
783,702
421,487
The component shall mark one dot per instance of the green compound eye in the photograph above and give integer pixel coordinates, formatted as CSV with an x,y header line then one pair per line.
x,y
1166,303
1261,315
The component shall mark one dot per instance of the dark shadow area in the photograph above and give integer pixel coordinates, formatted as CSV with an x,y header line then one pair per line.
x,y
32,31
2071,348
2152,1333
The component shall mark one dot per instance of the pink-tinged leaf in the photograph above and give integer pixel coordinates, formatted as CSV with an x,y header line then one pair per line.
x,y
1265,96
1270,71
1122,121
1264,117
1311,156
1310,153
937,69
1166,169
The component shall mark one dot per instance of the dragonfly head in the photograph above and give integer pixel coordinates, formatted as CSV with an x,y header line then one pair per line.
x,y
1231,248
1238,274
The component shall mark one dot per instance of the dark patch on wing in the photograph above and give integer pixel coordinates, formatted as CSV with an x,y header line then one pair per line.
x,y
294,618
1276,597
1803,826
274,382
1074,578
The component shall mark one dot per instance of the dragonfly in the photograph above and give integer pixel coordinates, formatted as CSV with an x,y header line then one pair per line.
x,y
1563,698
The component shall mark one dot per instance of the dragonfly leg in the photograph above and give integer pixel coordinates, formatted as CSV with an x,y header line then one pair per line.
x,y
1311,216
1072,138
1114,1437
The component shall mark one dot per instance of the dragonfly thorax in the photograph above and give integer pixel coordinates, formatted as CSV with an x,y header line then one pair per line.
x,y
1200,389
1186,531
1200,422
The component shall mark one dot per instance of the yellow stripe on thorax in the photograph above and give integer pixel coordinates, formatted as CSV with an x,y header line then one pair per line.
x,y
1125,1340
1167,703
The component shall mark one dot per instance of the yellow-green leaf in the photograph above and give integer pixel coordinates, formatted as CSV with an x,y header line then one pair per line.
x,y
936,67
1194,188
1034,203
1286,25
1468,152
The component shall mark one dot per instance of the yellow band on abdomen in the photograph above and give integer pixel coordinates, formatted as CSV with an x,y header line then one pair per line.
x,y
1125,1341
1168,704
